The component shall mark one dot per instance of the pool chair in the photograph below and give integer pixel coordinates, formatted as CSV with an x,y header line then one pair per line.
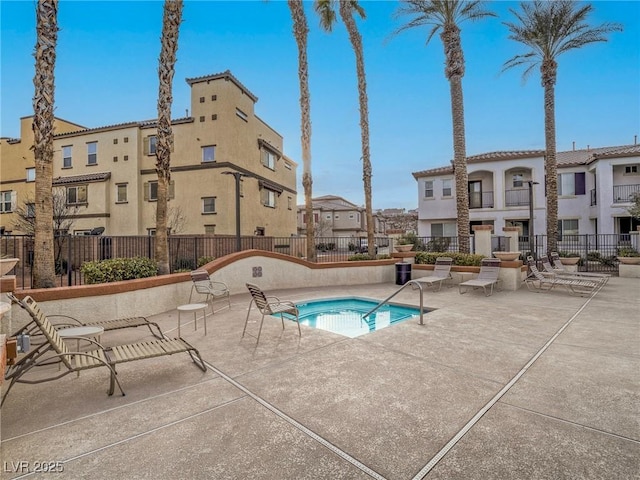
x,y
558,267
441,272
487,278
213,291
269,305
539,282
54,351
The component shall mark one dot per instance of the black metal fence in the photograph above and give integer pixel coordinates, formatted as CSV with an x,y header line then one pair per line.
x,y
186,252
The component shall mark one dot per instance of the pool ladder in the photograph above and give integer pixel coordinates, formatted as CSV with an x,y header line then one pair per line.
x,y
386,300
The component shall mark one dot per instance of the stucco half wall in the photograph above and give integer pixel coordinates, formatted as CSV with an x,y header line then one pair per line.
x,y
150,296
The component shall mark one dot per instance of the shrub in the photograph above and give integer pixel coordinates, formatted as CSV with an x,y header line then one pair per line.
x,y
628,252
117,269
460,259
359,257
204,260
439,244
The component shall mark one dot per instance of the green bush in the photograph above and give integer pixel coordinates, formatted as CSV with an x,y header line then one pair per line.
x,y
117,269
460,259
359,257
439,244
628,252
204,260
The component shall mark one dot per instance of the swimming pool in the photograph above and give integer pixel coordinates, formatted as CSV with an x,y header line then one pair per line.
x,y
344,315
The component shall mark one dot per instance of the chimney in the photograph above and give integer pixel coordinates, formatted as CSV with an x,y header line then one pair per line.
x,y
635,139
587,148
186,110
574,146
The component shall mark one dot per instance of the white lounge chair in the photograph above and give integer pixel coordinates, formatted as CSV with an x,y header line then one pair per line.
x,y
538,282
487,278
560,268
441,272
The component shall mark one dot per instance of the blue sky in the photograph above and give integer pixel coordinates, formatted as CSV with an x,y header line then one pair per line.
x,y
107,63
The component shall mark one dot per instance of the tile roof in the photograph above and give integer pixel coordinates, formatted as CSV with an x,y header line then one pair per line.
x,y
226,75
116,126
563,159
84,178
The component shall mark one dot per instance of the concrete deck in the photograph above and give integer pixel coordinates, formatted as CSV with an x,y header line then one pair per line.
x,y
519,385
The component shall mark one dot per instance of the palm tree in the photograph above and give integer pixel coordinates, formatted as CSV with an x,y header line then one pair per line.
x,y
446,15
166,68
550,29
301,32
43,101
325,10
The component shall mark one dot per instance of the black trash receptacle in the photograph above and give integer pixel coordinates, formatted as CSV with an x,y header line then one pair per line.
x,y
403,273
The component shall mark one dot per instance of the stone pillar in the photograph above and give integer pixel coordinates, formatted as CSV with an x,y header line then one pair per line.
x,y
512,233
483,239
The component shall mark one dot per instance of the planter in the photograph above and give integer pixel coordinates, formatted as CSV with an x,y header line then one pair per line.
x,y
629,260
569,260
507,256
6,264
403,248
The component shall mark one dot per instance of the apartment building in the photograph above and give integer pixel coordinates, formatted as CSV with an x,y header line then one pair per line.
x,y
107,174
335,216
595,187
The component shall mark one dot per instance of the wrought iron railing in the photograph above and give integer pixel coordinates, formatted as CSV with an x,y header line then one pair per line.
x,y
516,198
625,193
480,199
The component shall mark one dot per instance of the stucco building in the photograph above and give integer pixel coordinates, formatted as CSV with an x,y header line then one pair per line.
x,y
108,172
595,187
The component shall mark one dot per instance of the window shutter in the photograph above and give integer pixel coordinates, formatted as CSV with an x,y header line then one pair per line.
x,y
172,189
580,183
14,200
146,146
146,191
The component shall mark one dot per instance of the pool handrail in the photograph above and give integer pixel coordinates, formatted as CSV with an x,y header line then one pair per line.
x,y
410,282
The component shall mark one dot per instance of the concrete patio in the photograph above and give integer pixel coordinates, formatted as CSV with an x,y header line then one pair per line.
x,y
518,385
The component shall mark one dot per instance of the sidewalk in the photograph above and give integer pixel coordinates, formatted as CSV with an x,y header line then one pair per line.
x,y
516,385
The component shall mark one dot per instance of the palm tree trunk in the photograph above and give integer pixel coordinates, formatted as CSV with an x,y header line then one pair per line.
x,y
301,31
454,71
356,43
548,70
166,69
43,119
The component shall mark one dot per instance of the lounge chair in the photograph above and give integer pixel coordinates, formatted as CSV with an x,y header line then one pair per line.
x,y
487,278
538,282
54,351
269,305
441,272
203,285
558,267
115,324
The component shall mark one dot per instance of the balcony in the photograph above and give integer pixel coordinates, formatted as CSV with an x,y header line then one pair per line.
x,y
480,199
516,198
624,193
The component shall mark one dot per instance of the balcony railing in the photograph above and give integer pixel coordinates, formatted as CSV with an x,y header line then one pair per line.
x,y
594,199
624,193
516,198
480,199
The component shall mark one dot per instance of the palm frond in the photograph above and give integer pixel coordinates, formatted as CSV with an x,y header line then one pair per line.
x,y
326,13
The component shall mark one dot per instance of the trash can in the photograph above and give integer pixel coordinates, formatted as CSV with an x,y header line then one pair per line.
x,y
403,273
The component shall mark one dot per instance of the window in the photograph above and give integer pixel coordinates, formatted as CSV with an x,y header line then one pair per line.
x,y
115,158
121,193
268,198
328,216
77,195
209,229
202,118
151,192
126,139
446,187
630,169
115,141
289,203
31,174
242,115
92,153
259,231
150,144
428,189
7,201
214,98
571,184
208,153
517,180
269,159
201,99
443,230
567,227
66,157
209,205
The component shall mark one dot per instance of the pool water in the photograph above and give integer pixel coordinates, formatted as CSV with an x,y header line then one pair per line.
x,y
344,315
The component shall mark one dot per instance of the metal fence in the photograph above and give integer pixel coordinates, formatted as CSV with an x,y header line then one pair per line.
x,y
186,252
